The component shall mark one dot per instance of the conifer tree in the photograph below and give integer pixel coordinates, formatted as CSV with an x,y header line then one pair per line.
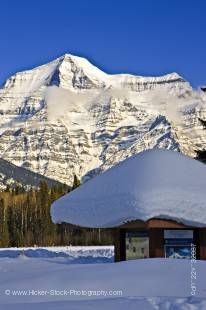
x,y
4,234
201,154
76,182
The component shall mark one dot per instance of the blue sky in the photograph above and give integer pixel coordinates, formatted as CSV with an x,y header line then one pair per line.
x,y
144,37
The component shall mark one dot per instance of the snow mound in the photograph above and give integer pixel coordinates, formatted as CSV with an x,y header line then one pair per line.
x,y
73,254
153,184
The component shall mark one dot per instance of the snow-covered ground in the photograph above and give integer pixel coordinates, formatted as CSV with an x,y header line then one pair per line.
x,y
51,280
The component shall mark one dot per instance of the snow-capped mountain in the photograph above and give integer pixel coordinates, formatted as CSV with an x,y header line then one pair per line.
x,y
69,117
12,176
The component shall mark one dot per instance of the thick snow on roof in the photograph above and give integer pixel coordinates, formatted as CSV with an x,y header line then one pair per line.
x,y
153,184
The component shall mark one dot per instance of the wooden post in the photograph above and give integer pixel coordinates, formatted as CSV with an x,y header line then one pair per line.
x,y
117,256
202,243
156,242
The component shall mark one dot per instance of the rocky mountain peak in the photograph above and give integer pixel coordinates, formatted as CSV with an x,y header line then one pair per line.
x,y
93,120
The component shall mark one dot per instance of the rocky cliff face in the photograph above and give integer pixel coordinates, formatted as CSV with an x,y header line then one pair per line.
x,y
69,117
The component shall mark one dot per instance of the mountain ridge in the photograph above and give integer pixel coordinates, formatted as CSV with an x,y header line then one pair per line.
x,y
69,117
12,176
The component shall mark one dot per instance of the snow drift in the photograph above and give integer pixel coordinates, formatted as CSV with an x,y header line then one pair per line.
x,y
152,184
146,284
